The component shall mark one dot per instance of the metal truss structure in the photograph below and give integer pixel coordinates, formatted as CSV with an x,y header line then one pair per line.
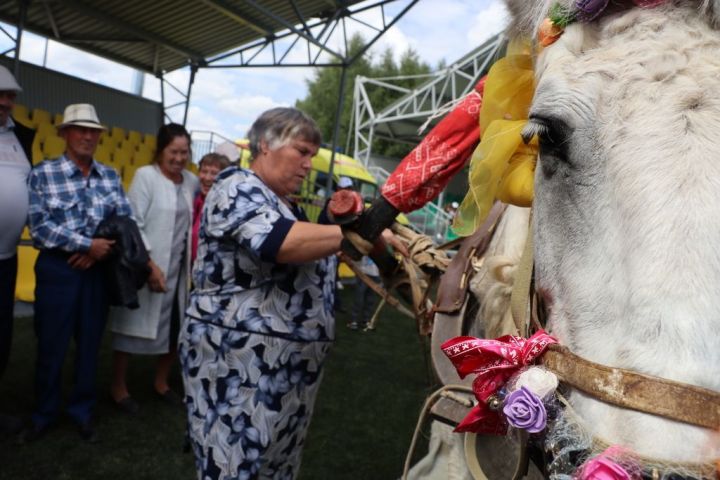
x,y
271,33
309,43
15,39
420,107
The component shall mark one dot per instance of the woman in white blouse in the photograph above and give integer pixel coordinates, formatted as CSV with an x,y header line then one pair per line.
x,y
161,197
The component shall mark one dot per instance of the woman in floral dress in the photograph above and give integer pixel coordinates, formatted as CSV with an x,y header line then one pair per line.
x,y
260,320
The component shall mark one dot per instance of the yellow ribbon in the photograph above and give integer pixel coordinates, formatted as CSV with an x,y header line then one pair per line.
x,y
502,166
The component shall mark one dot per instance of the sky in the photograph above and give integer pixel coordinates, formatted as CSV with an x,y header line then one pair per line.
x,y
226,101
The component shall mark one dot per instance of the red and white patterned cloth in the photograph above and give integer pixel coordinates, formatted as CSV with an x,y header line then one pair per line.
x,y
425,171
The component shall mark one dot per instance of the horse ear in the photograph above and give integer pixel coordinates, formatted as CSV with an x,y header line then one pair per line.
x,y
526,15
521,21
712,10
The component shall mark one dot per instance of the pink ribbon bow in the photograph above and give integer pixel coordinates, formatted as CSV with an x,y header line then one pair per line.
x,y
494,362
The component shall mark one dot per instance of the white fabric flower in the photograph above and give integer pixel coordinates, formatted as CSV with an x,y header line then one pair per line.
x,y
538,380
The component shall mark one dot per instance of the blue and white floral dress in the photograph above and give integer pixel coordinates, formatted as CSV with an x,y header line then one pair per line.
x,y
254,337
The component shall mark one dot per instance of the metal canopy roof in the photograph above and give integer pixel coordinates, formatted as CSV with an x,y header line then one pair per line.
x,y
164,35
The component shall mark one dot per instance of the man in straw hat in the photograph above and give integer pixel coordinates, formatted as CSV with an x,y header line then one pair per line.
x,y
15,162
69,197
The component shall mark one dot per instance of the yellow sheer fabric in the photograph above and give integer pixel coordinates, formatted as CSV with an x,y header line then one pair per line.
x,y
502,166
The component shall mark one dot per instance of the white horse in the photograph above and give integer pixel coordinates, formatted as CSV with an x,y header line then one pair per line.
x,y
627,207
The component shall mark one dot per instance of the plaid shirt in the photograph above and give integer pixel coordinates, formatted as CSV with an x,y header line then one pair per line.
x,y
66,207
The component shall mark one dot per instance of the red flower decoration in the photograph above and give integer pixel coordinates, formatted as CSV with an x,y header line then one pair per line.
x,y
494,362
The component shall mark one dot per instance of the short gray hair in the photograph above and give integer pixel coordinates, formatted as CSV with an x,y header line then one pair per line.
x,y
279,126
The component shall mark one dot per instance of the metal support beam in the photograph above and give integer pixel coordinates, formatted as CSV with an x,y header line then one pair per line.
x,y
292,28
183,96
84,8
51,19
193,71
235,14
385,28
22,16
163,114
315,33
336,131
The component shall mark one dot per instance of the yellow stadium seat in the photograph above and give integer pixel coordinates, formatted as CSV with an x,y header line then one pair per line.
x,y
122,158
134,137
104,156
150,141
127,175
106,140
40,116
53,147
118,134
25,286
127,145
58,119
144,148
142,156
45,130
37,154
21,114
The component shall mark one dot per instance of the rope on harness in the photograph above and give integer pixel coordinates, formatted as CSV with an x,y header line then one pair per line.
x,y
424,264
446,391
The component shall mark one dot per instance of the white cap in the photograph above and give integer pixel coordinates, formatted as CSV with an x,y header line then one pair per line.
x,y
345,182
454,204
7,81
229,149
81,115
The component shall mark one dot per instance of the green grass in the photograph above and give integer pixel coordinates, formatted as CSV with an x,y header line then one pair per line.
x,y
366,410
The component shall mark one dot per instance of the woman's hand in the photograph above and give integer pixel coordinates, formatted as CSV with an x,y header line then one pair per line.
x,y
394,241
156,280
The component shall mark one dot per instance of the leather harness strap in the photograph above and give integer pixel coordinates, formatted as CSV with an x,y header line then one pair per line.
x,y
521,291
454,282
624,388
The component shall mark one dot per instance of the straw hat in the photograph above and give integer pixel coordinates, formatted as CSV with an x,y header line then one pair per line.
x,y
81,115
7,81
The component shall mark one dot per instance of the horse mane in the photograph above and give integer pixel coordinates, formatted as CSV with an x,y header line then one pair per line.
x,y
494,277
527,15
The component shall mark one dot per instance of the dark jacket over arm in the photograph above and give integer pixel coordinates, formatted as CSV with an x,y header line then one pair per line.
x,y
127,267
25,136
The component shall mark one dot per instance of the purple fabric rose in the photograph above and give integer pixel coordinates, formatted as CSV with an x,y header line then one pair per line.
x,y
588,10
525,410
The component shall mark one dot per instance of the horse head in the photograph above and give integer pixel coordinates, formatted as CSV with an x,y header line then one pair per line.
x,y
627,203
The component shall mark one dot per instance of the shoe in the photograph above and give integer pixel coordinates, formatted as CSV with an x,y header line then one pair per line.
x,y
31,434
88,433
171,398
353,325
9,425
127,405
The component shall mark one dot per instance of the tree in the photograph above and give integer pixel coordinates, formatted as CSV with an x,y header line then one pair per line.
x,y
321,100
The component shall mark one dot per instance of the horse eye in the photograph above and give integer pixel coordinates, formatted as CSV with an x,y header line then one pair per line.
x,y
553,135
